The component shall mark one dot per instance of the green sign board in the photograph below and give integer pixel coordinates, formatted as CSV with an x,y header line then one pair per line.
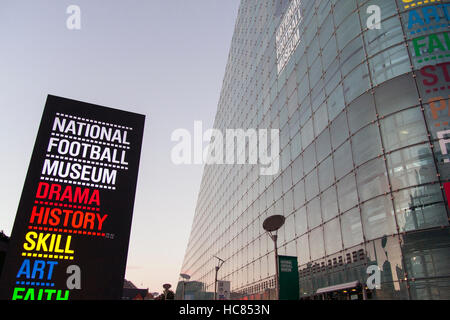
x,y
289,281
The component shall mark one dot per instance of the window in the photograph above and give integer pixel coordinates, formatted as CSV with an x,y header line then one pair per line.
x,y
378,218
303,249
347,195
329,204
326,174
361,112
343,9
339,130
335,102
312,184
323,145
309,158
352,233
348,30
389,63
332,233
356,83
396,95
287,179
352,55
411,166
301,222
315,72
297,169
343,162
366,144
391,33
403,128
321,118
329,52
316,244
299,195
288,202
307,133
296,145
289,228
420,208
314,214
372,179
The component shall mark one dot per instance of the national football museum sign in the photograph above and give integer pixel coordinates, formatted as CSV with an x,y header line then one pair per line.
x,y
71,232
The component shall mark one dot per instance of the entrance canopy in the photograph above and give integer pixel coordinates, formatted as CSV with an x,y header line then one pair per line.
x,y
338,287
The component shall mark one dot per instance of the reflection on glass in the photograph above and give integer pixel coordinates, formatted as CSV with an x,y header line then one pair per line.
x,y
378,217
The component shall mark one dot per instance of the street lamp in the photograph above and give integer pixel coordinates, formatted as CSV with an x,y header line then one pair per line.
x,y
271,226
219,265
185,277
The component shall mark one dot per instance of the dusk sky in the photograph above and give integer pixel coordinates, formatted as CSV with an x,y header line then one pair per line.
x,y
163,59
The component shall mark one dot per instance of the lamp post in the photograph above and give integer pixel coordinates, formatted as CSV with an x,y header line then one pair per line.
x,y
185,277
271,226
219,265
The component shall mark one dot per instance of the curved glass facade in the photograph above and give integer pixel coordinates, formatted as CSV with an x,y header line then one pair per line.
x,y
364,127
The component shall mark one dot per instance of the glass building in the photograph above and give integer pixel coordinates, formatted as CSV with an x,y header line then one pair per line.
x,y
363,109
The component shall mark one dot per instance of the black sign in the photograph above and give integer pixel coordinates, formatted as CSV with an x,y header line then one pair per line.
x,y
72,228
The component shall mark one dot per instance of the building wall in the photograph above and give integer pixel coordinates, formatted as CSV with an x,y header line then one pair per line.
x,y
363,117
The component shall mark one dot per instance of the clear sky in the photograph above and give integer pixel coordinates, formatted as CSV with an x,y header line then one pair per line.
x,y
164,59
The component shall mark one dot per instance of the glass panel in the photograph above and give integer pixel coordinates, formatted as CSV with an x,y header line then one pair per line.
x,y
325,21
307,133
323,145
352,233
347,195
348,30
312,184
420,208
335,102
315,72
299,195
343,162
411,166
430,289
391,33
372,180
289,230
309,158
301,222
329,53
329,204
438,117
403,128
332,232
361,112
343,9
296,146
356,83
314,215
378,218
303,249
366,144
396,95
389,64
326,174
431,260
352,55
316,244
339,130
320,119
288,203
297,169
